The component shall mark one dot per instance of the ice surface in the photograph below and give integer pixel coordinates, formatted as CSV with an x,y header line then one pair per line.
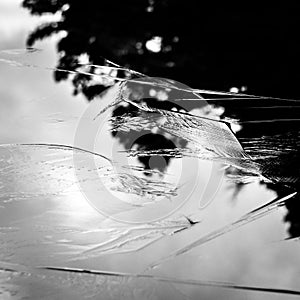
x,y
96,222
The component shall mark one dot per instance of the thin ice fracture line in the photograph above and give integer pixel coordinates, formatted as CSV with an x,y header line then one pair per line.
x,y
243,97
269,121
245,219
173,280
67,147
189,90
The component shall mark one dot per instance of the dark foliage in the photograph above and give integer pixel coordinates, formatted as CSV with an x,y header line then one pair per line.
x,y
209,46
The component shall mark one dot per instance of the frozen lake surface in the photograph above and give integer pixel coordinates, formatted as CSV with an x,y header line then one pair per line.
x,y
83,215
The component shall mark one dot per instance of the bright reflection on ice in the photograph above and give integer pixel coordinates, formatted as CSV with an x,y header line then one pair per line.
x,y
155,44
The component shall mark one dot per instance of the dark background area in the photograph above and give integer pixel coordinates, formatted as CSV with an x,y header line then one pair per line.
x,y
204,45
